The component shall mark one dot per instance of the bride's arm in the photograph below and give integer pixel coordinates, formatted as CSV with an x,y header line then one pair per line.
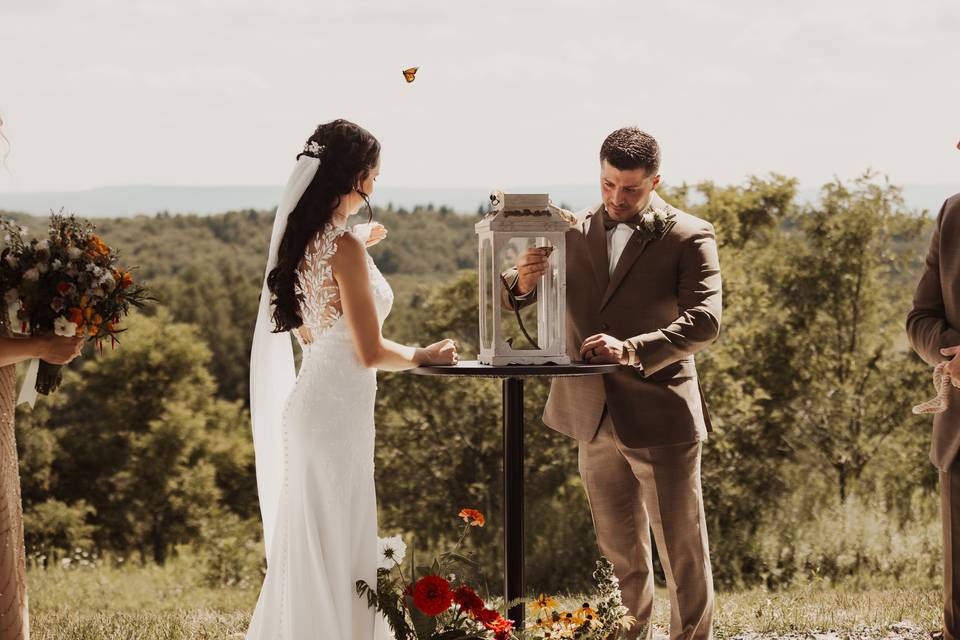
x,y
350,271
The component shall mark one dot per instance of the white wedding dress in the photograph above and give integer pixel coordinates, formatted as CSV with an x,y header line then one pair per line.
x,y
325,534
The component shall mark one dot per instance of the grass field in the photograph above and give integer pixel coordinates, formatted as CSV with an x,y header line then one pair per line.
x,y
171,603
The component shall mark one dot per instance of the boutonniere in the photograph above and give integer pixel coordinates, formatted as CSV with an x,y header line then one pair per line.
x,y
655,223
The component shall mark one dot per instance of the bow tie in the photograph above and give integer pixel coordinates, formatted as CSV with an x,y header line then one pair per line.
x,y
609,223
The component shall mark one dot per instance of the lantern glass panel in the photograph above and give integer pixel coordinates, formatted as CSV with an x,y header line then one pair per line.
x,y
490,293
533,316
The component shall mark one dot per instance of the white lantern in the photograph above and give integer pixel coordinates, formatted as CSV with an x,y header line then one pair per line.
x,y
515,223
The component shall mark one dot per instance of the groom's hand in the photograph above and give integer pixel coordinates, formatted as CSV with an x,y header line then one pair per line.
x,y
530,266
602,349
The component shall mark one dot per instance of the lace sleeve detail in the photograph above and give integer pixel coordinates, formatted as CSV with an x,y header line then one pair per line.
x,y
321,306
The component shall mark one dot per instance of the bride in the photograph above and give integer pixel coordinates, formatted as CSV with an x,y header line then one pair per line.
x,y
313,432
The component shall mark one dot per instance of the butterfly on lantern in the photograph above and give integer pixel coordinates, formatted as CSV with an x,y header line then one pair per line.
x,y
410,74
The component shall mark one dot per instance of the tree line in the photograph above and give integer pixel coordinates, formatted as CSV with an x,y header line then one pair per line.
x,y
815,468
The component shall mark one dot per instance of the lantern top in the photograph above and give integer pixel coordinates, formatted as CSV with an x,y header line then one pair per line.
x,y
523,211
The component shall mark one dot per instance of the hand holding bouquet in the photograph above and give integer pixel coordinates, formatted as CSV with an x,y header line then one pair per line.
x,y
68,284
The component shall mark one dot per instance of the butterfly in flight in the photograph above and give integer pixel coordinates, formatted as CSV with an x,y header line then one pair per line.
x,y
410,74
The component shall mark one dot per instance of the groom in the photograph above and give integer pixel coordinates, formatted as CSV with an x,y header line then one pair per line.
x,y
643,290
933,328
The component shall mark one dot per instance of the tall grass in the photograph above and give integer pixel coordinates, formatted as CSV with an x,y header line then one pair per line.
x,y
106,600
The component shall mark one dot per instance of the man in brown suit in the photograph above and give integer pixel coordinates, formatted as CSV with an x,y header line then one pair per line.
x,y
643,290
933,327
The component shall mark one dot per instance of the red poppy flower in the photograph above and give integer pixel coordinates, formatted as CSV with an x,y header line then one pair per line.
x,y
467,599
432,595
487,616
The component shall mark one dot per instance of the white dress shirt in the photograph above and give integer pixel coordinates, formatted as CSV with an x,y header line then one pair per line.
x,y
617,239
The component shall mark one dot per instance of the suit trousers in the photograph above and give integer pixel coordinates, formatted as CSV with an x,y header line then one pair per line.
x,y
632,491
950,514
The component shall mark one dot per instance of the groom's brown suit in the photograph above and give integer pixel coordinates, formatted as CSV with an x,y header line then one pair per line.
x,y
640,432
933,324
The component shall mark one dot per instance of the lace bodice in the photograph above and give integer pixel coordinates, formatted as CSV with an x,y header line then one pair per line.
x,y
321,308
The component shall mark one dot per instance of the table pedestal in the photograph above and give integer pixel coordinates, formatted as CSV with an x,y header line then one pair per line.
x,y
513,496
513,375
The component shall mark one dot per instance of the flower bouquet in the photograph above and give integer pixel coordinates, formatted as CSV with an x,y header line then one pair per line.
x,y
606,620
68,283
429,602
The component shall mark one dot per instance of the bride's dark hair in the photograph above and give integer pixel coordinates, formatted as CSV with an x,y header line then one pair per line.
x,y
347,154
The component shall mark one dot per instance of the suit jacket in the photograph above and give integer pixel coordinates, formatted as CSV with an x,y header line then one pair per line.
x,y
665,297
934,321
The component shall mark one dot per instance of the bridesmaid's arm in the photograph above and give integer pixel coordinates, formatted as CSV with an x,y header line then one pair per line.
x,y
53,349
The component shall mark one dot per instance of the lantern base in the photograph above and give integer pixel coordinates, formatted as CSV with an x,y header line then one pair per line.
x,y
498,361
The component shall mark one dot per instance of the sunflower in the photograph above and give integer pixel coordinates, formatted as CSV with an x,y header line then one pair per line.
x,y
587,614
544,602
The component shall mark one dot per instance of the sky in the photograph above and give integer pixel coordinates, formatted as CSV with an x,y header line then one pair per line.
x,y
201,92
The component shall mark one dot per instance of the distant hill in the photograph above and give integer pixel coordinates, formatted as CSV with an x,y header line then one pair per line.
x,y
124,201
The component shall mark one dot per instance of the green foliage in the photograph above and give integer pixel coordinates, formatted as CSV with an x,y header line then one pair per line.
x,y
147,450
230,550
141,437
855,543
51,526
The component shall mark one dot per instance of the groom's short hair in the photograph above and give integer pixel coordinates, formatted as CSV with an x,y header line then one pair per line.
x,y
630,148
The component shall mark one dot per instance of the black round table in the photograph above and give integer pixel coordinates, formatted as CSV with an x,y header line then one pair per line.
x,y
513,376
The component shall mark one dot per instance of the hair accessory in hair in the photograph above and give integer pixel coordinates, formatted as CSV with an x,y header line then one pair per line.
x,y
313,148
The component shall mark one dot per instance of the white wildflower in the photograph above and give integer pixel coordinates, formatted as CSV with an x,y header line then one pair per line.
x,y
65,328
390,551
74,252
31,274
13,309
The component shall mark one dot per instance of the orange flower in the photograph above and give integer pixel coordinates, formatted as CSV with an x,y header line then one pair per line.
x,y
75,315
124,279
97,247
472,517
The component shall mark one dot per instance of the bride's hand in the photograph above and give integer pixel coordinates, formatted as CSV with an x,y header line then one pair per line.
x,y
439,353
375,232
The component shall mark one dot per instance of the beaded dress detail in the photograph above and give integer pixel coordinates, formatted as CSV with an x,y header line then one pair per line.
x,y
326,529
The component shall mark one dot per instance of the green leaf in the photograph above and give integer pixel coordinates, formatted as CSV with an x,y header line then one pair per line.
x,y
424,625
462,558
